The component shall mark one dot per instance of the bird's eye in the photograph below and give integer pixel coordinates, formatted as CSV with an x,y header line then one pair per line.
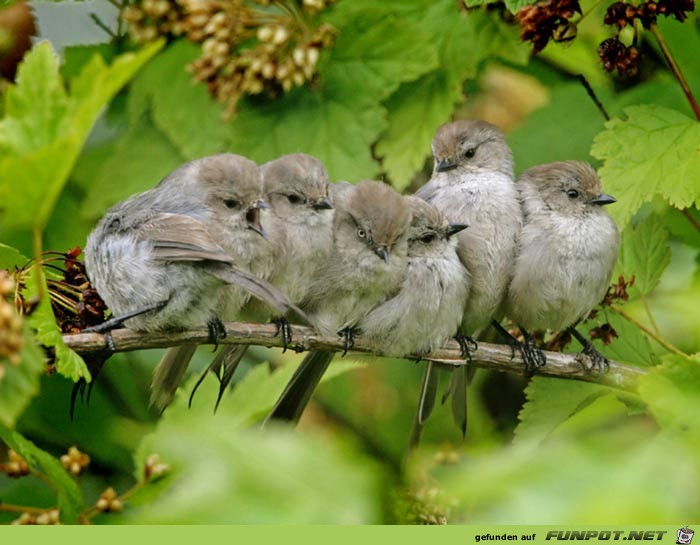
x,y
427,239
295,199
232,203
468,154
361,233
572,193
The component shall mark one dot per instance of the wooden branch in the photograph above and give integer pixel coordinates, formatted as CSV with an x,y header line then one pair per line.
x,y
487,356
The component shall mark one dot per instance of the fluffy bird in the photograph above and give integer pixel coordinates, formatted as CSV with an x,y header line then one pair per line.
x,y
366,266
428,308
299,227
567,250
473,184
165,259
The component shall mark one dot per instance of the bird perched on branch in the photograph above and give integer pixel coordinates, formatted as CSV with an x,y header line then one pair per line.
x,y
366,266
167,258
299,227
567,250
473,184
429,307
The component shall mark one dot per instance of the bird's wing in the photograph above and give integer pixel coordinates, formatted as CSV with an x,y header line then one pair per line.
x,y
177,237
257,287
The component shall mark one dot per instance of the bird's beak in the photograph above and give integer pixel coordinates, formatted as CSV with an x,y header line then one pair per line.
x,y
324,203
252,216
454,228
443,165
382,252
603,199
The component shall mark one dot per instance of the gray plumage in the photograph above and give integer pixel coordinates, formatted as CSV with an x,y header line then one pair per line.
x,y
429,307
473,183
191,243
298,226
567,248
366,266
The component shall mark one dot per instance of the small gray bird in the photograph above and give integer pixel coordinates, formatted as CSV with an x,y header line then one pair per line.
x,y
299,227
473,184
567,250
429,307
166,258
367,265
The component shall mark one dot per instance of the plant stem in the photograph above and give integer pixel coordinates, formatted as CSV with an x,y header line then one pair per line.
x,y
695,223
10,508
667,345
36,236
673,65
594,97
650,316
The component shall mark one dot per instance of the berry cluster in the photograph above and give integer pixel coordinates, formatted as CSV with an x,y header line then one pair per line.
x,y
245,50
625,59
547,20
11,324
108,502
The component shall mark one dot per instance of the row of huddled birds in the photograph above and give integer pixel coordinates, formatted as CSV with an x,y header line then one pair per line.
x,y
223,239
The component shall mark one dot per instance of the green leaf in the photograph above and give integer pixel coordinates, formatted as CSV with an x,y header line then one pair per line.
x,y
183,109
42,320
644,253
339,122
10,257
36,105
632,346
44,129
137,161
20,383
671,393
654,151
224,473
419,107
70,498
550,402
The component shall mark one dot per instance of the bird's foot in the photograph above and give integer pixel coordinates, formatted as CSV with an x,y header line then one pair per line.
x,y
600,362
284,329
348,340
467,345
533,357
217,331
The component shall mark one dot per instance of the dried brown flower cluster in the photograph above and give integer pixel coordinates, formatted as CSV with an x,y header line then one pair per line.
x,y
11,324
547,20
247,47
625,59
16,466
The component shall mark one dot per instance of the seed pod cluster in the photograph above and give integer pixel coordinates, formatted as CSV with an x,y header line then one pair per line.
x,y
625,59
247,47
11,324
108,502
46,518
16,466
75,461
547,20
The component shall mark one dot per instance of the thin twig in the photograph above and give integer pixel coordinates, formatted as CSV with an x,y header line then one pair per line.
x,y
695,223
673,65
667,345
594,97
103,26
490,356
11,508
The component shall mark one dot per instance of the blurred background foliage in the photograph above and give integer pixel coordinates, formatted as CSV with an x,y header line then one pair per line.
x,y
103,107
